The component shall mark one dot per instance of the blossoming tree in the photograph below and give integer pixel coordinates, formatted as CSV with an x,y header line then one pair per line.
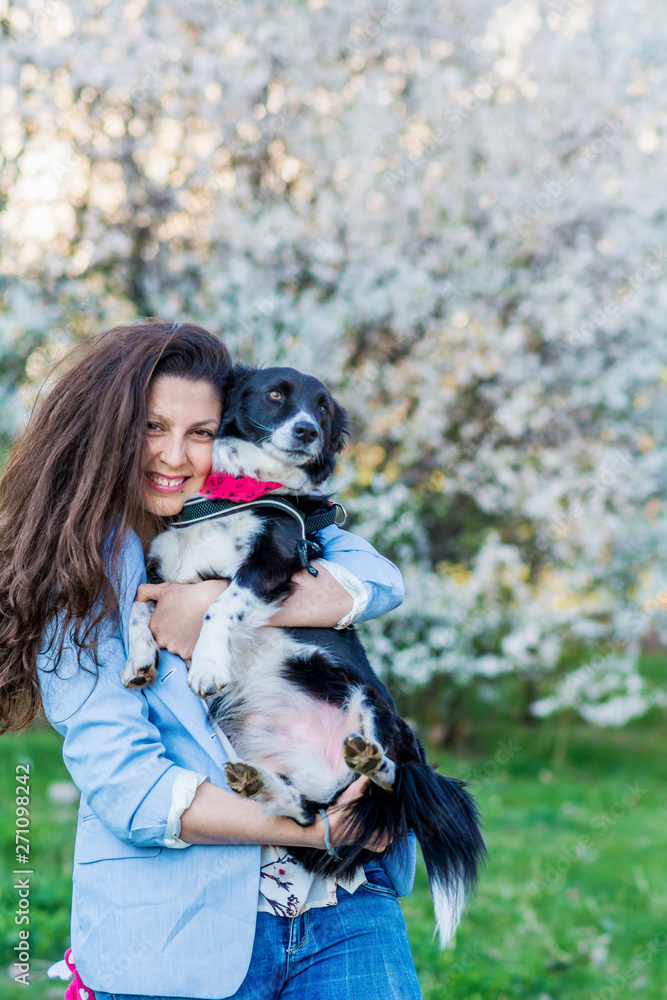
x,y
453,213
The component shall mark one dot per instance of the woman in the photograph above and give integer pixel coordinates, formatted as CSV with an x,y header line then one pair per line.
x,y
167,860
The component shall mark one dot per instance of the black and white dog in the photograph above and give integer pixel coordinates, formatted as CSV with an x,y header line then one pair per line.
x,y
302,707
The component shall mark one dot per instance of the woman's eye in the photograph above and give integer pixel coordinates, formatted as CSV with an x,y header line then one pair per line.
x,y
203,433
153,427
275,394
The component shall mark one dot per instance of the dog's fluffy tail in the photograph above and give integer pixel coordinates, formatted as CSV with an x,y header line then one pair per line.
x,y
445,820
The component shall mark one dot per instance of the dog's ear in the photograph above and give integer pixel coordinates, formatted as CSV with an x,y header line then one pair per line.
x,y
237,374
340,428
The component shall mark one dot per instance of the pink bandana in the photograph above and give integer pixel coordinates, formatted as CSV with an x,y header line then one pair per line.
x,y
76,990
223,486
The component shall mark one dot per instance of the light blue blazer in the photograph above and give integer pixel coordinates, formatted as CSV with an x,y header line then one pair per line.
x,y
146,918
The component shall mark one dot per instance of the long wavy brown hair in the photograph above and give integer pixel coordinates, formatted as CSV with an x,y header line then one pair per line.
x,y
72,489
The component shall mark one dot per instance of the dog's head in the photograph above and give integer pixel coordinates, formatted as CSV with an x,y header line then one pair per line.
x,y
279,424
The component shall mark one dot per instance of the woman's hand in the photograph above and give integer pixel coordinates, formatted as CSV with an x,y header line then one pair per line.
x,y
337,821
179,613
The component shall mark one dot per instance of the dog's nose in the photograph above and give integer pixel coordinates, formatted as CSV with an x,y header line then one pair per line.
x,y
305,433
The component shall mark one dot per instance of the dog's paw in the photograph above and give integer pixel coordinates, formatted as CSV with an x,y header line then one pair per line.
x,y
206,677
365,757
244,779
361,755
210,669
141,669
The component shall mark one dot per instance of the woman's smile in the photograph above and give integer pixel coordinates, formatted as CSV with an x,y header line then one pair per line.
x,y
165,484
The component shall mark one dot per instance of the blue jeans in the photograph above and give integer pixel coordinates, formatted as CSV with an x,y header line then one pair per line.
x,y
357,950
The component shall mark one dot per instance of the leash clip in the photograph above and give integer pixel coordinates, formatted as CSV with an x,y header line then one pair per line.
x,y
303,556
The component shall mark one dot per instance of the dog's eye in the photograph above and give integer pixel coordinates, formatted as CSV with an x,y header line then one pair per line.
x,y
323,410
275,394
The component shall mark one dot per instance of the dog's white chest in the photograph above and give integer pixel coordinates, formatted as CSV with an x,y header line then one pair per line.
x,y
212,548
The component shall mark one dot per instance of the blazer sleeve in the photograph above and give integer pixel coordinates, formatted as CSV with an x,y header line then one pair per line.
x,y
111,749
377,579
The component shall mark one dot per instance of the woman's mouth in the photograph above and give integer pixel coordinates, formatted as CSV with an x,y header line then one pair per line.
x,y
165,484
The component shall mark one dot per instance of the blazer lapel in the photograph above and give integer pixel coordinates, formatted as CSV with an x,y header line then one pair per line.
x,y
172,688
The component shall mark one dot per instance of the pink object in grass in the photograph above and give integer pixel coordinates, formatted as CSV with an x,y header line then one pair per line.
x,y
223,486
76,990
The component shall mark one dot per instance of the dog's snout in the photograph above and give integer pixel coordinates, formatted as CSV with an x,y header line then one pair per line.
x,y
305,433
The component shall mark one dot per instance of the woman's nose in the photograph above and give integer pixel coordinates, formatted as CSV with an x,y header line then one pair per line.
x,y
174,451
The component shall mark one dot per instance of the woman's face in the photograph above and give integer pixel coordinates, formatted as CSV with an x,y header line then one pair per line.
x,y
183,418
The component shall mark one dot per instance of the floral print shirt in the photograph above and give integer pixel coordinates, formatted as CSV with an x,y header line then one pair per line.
x,y
287,889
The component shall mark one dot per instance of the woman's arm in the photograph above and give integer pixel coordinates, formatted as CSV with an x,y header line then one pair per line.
x,y
361,584
376,582
116,757
213,819
319,601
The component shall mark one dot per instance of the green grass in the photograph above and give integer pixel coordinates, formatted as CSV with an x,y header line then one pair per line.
x,y
572,902
51,845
